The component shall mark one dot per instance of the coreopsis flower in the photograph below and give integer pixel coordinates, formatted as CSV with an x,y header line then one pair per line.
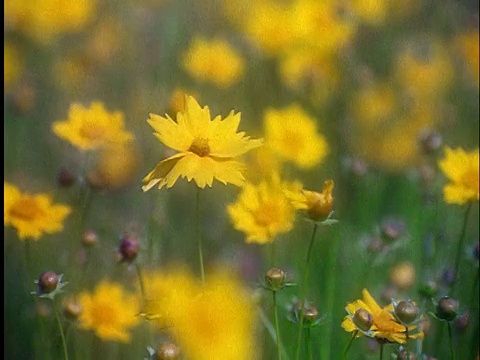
x,y
93,127
206,148
214,61
263,211
461,168
317,205
13,65
43,20
382,324
109,311
33,215
292,134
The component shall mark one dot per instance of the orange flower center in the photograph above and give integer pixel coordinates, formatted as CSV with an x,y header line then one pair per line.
x,y
26,209
92,132
267,214
470,179
200,147
103,314
293,141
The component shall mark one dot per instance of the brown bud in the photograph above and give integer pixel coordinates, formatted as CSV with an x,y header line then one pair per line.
x,y
65,177
48,282
129,248
275,278
167,351
406,312
406,355
90,238
72,309
363,319
447,308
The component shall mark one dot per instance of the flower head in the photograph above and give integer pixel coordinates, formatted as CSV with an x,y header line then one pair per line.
x,y
92,128
317,205
292,135
32,215
109,311
263,211
215,61
207,148
384,325
461,168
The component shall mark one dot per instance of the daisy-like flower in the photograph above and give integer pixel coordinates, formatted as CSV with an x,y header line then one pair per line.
x,y
93,127
263,211
292,134
207,148
110,311
32,215
317,205
382,325
461,168
214,61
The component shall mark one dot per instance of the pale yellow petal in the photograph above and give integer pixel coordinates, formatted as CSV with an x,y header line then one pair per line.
x,y
174,135
159,174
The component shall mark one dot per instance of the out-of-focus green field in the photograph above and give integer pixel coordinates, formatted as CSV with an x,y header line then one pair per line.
x,y
387,85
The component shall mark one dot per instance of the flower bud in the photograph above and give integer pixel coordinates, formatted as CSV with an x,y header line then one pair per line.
x,y
129,248
310,315
447,309
392,229
431,141
48,282
90,238
167,351
363,319
406,312
72,309
375,245
462,321
275,279
65,177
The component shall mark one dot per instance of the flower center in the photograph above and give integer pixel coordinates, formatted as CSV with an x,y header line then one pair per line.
x,y
26,209
200,147
103,314
267,214
92,132
470,179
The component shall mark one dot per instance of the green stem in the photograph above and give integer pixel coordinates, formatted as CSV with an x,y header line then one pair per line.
x,y
140,280
270,329
381,351
350,344
450,336
304,290
199,236
308,339
60,328
461,242
273,253
277,328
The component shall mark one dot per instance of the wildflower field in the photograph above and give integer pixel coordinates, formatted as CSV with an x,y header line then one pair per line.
x,y
241,180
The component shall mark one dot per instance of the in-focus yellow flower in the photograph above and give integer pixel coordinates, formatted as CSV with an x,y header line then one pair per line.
x,y
384,327
32,215
207,148
211,321
263,211
293,135
42,20
214,61
461,168
93,127
12,65
109,311
317,205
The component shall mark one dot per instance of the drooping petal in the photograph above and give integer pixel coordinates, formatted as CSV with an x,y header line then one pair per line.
x,y
159,173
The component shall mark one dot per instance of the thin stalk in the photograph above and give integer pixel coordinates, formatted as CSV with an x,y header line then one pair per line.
x,y
308,339
461,242
199,236
60,328
350,344
142,291
277,328
450,336
273,253
271,331
304,290
381,351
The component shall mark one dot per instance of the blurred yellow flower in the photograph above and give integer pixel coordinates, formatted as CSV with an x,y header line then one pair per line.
x,y
461,168
109,311
468,44
207,148
317,205
32,215
215,320
263,211
371,12
93,127
214,61
116,166
402,275
177,100
374,103
292,134
262,164
42,20
12,65
384,326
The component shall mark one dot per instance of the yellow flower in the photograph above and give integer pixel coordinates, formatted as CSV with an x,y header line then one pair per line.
x,y
215,61
13,65
461,168
32,215
92,128
384,327
263,211
42,20
207,148
372,12
211,321
110,311
261,164
292,134
317,205
402,275
468,45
